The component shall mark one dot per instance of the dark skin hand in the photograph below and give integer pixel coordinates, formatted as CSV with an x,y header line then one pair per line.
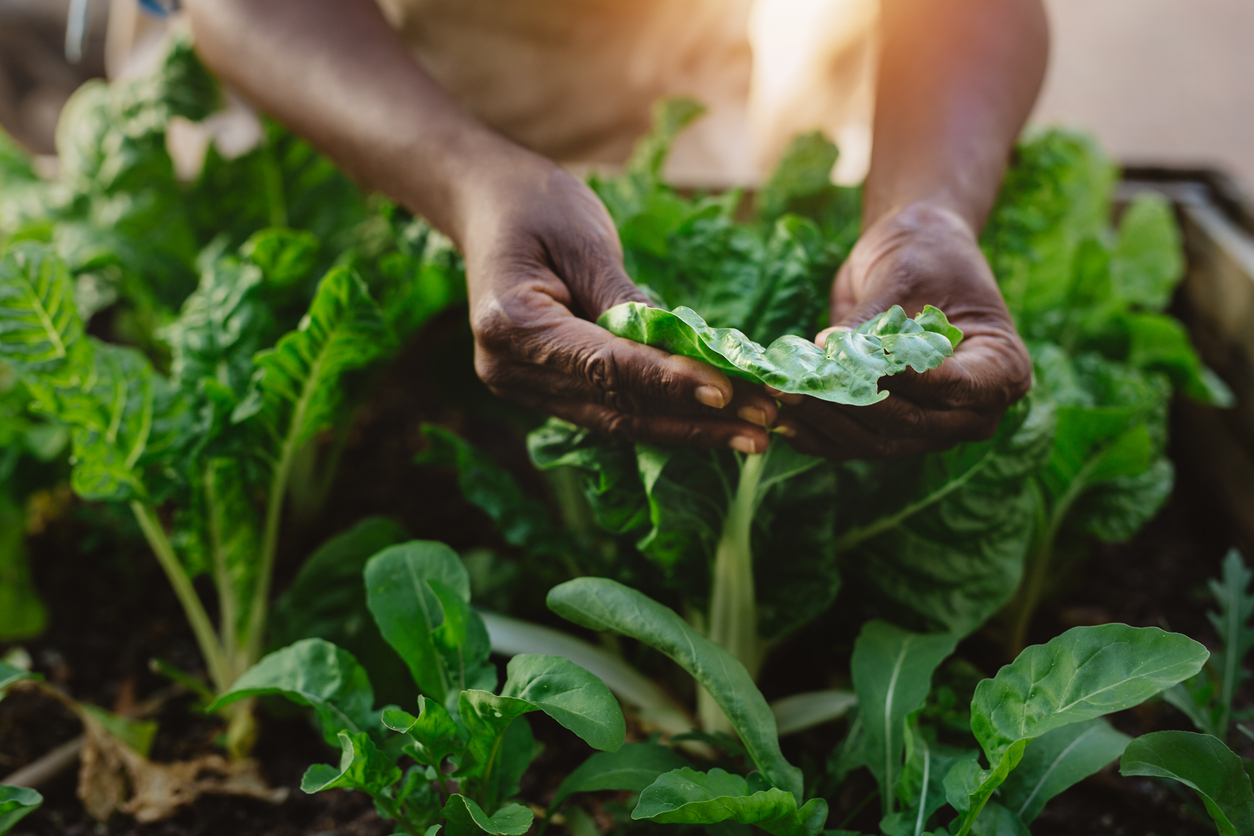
x,y
543,258
957,80
544,261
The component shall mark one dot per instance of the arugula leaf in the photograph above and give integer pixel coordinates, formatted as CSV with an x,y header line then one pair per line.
x,y
15,804
892,674
463,817
633,767
847,370
362,767
686,796
1203,764
436,734
600,604
1057,760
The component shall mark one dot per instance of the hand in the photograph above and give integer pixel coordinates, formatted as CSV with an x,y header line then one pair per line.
x,y
543,261
916,256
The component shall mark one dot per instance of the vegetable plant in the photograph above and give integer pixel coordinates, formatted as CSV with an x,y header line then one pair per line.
x,y
467,744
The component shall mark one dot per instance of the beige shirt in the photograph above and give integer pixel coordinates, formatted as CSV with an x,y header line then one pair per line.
x,y
576,79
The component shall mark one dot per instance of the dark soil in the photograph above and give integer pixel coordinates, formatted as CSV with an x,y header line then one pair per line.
x,y
112,612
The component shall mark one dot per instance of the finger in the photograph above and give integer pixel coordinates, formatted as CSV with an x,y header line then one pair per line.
x,y
661,428
752,404
988,372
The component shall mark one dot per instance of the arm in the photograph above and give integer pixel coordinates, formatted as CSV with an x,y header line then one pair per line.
x,y
957,80
542,255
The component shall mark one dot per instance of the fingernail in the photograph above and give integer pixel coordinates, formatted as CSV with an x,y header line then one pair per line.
x,y
711,396
784,430
745,444
753,415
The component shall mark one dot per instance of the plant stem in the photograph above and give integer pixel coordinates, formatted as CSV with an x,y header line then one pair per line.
x,y
269,548
206,638
733,599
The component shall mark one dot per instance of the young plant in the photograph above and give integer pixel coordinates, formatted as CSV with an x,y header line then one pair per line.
x,y
1203,764
467,744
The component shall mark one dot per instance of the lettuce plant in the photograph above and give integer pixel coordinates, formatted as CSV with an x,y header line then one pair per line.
x,y
468,745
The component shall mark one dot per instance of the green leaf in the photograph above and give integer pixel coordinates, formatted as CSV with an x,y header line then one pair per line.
x,y
419,594
285,256
362,767
10,675
600,604
22,613
685,796
137,734
1236,633
1083,674
498,749
998,821
570,695
15,804
804,171
463,817
317,674
847,370
1205,765
1148,261
436,734
1057,760
40,329
633,767
892,674
1160,342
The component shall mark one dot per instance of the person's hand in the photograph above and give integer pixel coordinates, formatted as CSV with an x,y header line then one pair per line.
x,y
543,261
916,256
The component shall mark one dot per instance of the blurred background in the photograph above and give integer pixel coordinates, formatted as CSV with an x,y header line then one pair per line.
x,y
1161,82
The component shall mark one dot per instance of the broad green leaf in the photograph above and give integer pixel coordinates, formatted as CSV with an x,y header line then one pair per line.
x,y
611,478
296,389
463,817
633,767
283,255
419,594
1057,760
317,674
600,604
570,695
327,600
685,796
10,675
892,674
1148,261
15,804
1160,342
1205,765
1083,674
847,370
435,733
40,329
362,767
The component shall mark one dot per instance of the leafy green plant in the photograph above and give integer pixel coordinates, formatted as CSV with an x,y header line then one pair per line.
x,y
467,744
1203,764
15,804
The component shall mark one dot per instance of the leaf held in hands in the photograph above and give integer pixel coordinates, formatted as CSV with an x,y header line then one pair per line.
x,y
1205,765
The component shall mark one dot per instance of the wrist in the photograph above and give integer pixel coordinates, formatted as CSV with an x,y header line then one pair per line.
x,y
925,215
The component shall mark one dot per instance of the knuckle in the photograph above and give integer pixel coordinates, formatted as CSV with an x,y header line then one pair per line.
x,y
600,369
491,328
490,371
620,426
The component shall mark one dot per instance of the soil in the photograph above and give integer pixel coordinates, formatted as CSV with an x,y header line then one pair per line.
x,y
112,612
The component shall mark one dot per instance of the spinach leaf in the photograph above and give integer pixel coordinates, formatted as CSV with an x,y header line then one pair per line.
x,y
1203,764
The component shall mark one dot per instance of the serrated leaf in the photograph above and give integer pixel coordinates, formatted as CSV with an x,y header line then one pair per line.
x,y
1205,765
1236,633
686,796
892,674
362,767
317,674
15,804
846,371
463,817
419,595
600,604
633,767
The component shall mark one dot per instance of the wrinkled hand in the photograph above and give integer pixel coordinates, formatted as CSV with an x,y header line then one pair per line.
x,y
543,261
917,256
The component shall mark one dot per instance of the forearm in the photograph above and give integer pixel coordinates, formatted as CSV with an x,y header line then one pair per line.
x,y
335,73
957,80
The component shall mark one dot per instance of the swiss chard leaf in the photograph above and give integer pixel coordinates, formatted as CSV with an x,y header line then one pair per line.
x,y
686,796
600,604
846,371
1203,764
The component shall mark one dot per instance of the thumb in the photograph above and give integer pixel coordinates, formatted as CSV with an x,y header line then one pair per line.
x,y
598,282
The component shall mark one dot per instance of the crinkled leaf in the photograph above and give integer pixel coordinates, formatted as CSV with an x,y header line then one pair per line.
x,y
633,767
570,695
1083,674
1148,261
1057,760
600,604
419,595
435,733
686,796
40,329
317,674
463,817
892,673
362,767
1205,765
847,370
284,256
15,804
612,481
